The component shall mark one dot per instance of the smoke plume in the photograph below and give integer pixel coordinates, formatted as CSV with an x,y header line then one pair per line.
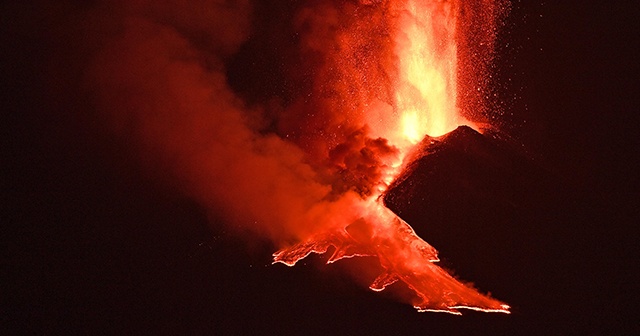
x,y
160,77
161,81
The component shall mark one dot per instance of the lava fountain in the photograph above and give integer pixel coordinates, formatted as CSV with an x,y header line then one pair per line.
x,y
423,102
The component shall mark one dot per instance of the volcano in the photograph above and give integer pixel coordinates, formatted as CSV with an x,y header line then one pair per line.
x,y
99,237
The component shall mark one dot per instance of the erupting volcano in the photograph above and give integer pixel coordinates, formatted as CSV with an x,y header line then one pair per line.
x,y
307,169
421,100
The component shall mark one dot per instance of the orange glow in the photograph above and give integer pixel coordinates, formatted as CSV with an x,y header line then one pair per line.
x,y
426,90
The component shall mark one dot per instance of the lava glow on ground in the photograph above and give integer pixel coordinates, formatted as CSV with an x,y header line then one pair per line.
x,y
404,256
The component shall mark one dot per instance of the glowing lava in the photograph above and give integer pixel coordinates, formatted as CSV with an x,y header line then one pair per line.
x,y
423,102
403,255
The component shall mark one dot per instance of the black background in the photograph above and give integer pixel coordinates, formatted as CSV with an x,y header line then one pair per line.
x,y
91,245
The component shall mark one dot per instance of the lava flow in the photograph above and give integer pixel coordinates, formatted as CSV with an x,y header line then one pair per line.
x,y
403,255
423,102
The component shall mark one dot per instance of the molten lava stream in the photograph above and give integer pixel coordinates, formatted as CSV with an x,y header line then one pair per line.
x,y
403,255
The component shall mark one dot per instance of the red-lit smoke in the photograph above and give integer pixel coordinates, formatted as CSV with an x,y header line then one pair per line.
x,y
306,169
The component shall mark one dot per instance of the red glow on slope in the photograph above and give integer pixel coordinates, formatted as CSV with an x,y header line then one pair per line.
x,y
403,255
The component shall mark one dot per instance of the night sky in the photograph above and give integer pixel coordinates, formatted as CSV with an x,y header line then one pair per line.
x,y
93,243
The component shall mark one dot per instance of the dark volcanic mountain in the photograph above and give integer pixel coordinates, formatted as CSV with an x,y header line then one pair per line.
x,y
467,177
465,163
489,210
513,228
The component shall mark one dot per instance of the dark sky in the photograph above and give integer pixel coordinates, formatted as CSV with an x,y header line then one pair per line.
x,y
92,243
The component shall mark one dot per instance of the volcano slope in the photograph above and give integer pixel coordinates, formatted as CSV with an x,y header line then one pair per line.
x,y
496,217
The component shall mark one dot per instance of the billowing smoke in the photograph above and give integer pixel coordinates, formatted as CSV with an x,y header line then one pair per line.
x,y
161,79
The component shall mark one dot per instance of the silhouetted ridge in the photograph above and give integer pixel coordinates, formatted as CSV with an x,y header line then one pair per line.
x,y
483,205
469,163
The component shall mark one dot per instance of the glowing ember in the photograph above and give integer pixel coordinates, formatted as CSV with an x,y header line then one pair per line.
x,y
424,102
